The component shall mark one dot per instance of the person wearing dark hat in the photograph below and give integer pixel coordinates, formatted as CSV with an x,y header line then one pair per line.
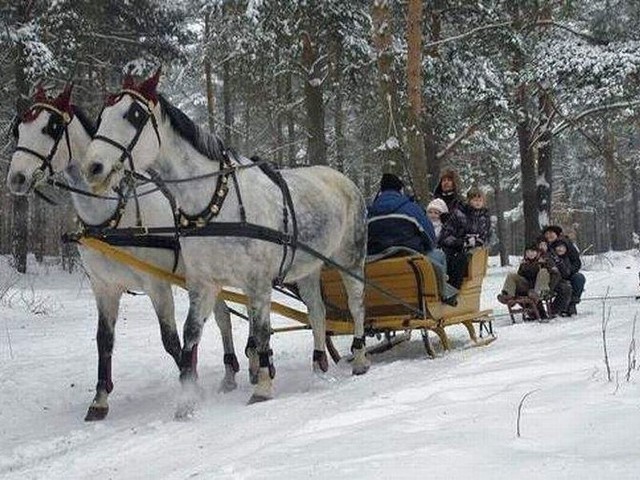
x,y
447,190
396,220
559,253
552,234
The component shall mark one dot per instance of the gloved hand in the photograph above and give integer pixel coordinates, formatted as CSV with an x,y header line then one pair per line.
x,y
470,241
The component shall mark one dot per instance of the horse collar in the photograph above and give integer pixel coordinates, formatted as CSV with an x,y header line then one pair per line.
x,y
112,222
214,206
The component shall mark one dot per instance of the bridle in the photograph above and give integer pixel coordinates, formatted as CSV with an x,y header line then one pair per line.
x,y
45,165
137,117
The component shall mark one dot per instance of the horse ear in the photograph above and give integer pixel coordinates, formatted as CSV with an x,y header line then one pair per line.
x,y
149,86
63,101
39,94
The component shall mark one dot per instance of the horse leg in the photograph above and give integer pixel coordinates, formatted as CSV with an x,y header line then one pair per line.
x,y
355,295
162,300
260,317
251,352
108,305
231,366
311,295
201,302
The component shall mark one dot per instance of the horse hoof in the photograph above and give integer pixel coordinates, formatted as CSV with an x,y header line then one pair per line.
x,y
227,386
96,413
320,367
185,412
360,369
320,361
257,399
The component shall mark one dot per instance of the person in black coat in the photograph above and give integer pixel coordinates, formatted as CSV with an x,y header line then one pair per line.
x,y
559,253
553,233
467,227
447,190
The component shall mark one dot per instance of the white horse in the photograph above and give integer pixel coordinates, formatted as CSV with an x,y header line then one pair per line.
x,y
52,133
142,130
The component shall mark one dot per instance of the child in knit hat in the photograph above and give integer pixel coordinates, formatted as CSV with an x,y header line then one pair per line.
x,y
437,212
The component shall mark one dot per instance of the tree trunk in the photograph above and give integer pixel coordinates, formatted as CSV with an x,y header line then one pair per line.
x,y
314,102
635,197
545,163
500,226
417,159
544,147
207,73
390,155
614,191
338,114
20,211
38,229
226,101
291,124
434,163
527,159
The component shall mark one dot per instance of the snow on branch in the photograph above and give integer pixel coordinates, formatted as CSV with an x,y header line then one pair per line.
x,y
115,37
509,23
464,134
603,108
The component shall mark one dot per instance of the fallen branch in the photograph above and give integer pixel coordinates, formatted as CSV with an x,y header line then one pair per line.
x,y
605,323
524,397
631,354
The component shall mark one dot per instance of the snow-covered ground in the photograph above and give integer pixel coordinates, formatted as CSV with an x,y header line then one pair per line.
x,y
409,417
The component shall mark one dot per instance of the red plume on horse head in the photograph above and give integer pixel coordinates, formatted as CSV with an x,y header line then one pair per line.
x,y
39,94
147,88
63,101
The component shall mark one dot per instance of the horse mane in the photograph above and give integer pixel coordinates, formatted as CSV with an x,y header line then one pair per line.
x,y
90,127
205,143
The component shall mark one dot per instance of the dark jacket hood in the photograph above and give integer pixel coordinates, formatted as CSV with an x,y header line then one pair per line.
x,y
387,202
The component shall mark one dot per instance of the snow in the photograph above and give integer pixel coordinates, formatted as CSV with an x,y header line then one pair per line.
x,y
390,143
409,417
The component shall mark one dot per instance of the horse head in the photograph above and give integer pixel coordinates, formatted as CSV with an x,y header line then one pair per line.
x,y
128,135
42,140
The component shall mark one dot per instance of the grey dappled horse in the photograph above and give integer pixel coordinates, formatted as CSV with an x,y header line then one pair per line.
x,y
141,129
45,148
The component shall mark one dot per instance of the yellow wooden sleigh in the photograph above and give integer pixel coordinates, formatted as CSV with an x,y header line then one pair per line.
x,y
410,278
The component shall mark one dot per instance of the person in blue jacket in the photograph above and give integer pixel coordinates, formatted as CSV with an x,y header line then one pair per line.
x,y
396,220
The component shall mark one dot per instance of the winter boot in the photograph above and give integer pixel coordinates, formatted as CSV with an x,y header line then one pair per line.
x,y
504,298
